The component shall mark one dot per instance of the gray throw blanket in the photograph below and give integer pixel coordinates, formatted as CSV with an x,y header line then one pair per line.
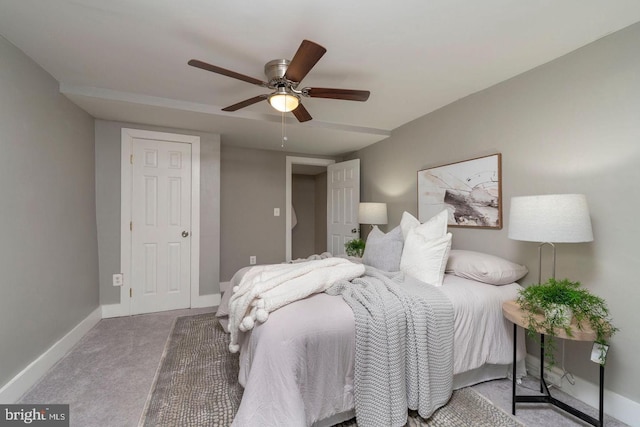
x,y
404,346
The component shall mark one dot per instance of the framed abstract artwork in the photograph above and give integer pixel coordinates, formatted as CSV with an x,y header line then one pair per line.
x,y
470,190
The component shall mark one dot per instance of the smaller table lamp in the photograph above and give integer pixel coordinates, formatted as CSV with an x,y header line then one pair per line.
x,y
372,213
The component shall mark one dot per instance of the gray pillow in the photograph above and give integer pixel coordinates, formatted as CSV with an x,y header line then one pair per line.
x,y
383,251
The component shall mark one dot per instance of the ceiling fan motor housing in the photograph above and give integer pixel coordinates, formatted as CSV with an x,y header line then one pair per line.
x,y
275,70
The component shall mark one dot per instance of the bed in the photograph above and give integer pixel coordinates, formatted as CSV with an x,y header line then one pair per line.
x,y
297,367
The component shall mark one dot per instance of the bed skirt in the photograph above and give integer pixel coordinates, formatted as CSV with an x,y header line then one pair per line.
x,y
484,373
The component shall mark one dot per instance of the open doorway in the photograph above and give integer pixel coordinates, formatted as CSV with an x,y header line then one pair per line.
x,y
308,210
307,176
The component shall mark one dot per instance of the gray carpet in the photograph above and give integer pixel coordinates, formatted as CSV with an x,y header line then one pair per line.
x,y
196,385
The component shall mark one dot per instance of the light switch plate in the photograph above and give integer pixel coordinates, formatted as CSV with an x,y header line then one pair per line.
x,y
276,211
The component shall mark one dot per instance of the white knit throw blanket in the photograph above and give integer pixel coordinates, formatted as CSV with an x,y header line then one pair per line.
x,y
266,288
404,346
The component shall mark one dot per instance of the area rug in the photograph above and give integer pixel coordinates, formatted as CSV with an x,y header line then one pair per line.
x,y
196,385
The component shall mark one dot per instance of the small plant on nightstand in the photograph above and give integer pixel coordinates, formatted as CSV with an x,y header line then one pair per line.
x,y
559,301
354,247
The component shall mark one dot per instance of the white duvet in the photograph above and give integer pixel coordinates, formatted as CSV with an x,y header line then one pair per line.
x,y
297,368
265,288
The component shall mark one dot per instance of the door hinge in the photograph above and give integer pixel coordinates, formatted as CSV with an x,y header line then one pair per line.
x,y
130,225
130,292
131,159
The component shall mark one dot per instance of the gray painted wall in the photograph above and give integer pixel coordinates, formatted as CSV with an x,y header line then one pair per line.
x,y
252,184
107,173
48,249
569,126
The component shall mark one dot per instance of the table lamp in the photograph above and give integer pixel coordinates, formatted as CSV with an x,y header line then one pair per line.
x,y
549,219
372,213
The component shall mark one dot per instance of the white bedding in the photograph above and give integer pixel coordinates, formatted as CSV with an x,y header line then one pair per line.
x,y
266,288
481,333
297,368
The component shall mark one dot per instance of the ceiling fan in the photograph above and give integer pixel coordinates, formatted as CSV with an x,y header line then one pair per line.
x,y
284,77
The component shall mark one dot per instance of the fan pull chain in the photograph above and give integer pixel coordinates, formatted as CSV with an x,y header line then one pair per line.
x,y
284,130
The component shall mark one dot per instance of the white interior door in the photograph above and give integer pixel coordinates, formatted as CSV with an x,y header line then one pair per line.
x,y
343,197
161,226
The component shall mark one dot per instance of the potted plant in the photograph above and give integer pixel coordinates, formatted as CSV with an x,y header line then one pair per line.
x,y
560,301
354,247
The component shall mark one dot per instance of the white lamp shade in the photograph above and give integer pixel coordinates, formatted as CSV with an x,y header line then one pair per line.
x,y
553,218
372,213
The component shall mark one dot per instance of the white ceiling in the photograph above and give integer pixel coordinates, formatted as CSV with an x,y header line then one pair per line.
x,y
126,60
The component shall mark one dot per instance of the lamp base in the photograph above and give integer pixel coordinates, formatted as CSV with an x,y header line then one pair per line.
x,y
553,265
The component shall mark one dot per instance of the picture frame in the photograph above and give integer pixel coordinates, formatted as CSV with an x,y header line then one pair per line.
x,y
471,190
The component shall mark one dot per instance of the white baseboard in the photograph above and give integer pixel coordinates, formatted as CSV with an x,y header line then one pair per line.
x,y
119,310
210,300
29,376
616,405
114,310
224,286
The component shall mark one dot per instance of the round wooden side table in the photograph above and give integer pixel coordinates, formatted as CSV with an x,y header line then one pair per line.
x,y
514,313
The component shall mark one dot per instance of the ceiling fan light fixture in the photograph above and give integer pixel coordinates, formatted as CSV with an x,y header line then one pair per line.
x,y
284,101
284,77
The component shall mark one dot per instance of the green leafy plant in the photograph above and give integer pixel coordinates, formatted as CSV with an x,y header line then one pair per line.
x,y
354,247
588,310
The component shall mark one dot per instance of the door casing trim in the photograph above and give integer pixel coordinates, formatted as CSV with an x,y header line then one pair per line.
x,y
126,170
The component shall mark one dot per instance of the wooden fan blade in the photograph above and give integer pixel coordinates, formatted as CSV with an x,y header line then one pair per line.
x,y
346,94
308,54
219,70
302,114
245,103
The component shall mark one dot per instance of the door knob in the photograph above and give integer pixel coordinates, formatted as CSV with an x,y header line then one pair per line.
x,y
354,230
185,234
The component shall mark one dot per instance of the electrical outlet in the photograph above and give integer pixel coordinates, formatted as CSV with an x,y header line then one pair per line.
x,y
117,279
276,211
553,377
252,259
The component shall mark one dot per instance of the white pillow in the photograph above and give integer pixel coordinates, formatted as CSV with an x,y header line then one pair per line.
x,y
407,223
425,259
435,227
484,267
